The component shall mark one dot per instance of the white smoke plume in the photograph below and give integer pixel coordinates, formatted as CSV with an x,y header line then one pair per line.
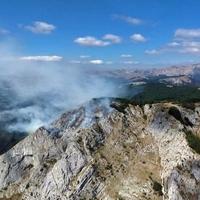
x,y
33,94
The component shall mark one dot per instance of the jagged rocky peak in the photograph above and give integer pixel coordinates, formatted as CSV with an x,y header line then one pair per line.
x,y
99,152
85,115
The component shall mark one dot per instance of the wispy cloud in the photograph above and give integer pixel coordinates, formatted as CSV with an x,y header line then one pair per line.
x,y
137,37
130,62
40,27
185,41
113,38
96,62
128,19
152,52
93,62
42,58
126,56
91,41
106,40
84,56
4,31
75,61
187,33
191,50
173,44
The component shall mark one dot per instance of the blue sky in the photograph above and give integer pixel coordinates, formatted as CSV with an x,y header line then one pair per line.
x,y
121,32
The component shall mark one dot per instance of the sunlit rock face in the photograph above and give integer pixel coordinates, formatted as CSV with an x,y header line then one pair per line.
x,y
85,115
99,152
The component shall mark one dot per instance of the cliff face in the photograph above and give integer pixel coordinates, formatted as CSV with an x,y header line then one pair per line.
x,y
96,152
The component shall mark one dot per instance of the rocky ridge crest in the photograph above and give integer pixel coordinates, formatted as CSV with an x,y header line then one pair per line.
x,y
98,152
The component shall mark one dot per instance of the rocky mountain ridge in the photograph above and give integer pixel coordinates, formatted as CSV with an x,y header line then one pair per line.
x,y
105,153
176,74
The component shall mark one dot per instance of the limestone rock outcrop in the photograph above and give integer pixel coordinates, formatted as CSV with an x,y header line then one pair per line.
x,y
99,152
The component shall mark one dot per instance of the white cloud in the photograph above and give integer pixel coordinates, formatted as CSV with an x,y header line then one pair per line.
x,y
130,62
190,50
189,41
4,31
138,38
106,40
126,56
185,41
191,44
96,62
91,41
187,33
128,19
84,56
191,47
173,44
152,52
75,61
41,27
113,38
42,58
183,46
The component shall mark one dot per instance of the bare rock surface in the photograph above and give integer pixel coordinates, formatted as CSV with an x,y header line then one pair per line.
x,y
98,152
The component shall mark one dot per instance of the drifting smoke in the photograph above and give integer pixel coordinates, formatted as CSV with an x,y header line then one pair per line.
x,y
33,94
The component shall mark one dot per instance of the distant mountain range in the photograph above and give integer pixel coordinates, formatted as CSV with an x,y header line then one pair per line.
x,y
180,74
